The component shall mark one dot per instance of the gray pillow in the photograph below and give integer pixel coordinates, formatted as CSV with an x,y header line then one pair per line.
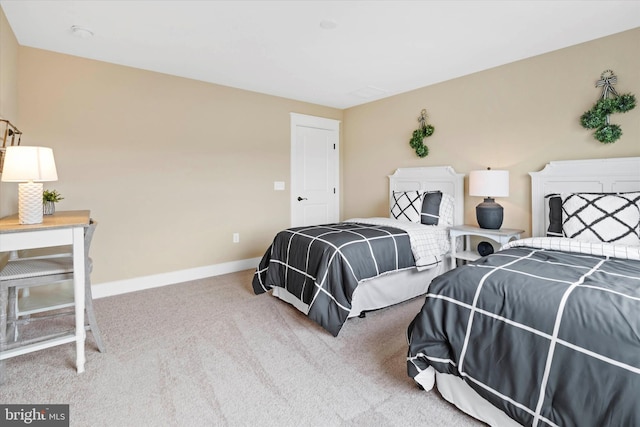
x,y
555,216
430,214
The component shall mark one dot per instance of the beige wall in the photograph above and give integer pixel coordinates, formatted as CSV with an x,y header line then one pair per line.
x,y
8,70
170,167
8,85
517,117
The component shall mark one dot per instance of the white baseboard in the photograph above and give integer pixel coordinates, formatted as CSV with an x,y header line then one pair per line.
x,y
118,287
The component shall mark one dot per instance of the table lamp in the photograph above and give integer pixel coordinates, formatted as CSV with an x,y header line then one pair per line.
x,y
489,184
26,165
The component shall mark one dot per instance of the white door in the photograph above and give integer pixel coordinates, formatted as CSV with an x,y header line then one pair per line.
x,y
314,170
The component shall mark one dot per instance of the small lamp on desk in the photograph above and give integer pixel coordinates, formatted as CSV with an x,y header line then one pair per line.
x,y
29,166
489,184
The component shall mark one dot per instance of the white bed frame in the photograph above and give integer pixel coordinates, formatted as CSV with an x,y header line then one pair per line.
x,y
569,176
579,176
435,178
384,291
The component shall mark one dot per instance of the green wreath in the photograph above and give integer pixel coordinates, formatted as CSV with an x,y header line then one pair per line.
x,y
598,117
417,139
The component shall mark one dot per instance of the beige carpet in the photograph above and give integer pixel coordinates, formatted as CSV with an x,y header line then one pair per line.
x,y
211,353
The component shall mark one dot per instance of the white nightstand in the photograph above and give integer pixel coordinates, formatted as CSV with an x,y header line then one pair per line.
x,y
502,236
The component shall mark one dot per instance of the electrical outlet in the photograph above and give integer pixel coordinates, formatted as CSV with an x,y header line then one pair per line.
x,y
236,237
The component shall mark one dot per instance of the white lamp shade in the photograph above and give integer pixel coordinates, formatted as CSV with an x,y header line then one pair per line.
x,y
489,183
24,163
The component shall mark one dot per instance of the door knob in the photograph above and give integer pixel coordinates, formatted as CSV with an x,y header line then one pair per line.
x,y
301,198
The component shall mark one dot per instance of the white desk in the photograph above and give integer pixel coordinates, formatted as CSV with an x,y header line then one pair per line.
x,y
61,228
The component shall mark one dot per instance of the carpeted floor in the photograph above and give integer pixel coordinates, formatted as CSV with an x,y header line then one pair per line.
x,y
211,353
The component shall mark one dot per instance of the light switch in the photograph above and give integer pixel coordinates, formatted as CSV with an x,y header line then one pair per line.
x,y
278,185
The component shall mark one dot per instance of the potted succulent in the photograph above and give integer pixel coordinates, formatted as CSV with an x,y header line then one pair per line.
x,y
49,199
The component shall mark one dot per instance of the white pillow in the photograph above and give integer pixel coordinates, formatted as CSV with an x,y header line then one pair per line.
x,y
632,196
447,206
407,206
608,218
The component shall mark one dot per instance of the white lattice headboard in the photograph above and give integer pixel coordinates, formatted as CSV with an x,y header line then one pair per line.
x,y
442,178
574,176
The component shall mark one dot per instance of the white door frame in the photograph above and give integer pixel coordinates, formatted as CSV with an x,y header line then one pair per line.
x,y
319,123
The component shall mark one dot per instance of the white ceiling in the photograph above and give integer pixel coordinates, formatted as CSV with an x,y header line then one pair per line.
x,y
377,49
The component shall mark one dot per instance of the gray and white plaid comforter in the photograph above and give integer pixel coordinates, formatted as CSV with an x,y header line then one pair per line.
x,y
550,337
322,265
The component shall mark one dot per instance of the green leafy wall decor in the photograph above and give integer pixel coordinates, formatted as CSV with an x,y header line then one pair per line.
x,y
609,103
424,131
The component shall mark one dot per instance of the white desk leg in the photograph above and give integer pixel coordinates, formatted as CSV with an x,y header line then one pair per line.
x,y
78,294
3,329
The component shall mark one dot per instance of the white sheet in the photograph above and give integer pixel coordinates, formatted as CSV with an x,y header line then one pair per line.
x,y
429,243
573,245
379,292
392,288
456,391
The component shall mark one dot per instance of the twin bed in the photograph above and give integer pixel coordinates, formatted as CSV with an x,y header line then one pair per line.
x,y
544,332
336,271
